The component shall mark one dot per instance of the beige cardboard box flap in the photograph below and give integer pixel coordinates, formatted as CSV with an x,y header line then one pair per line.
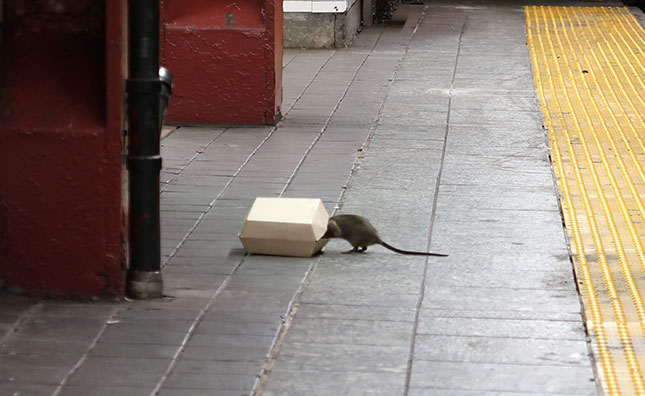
x,y
285,227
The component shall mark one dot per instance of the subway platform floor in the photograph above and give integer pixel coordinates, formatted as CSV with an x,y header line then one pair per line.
x,y
432,129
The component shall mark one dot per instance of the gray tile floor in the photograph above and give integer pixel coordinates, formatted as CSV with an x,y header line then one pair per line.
x,y
433,131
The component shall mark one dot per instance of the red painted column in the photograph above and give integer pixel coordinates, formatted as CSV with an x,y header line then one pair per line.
x,y
61,129
226,59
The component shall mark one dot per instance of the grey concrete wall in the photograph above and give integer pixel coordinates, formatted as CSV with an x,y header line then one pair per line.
x,y
307,30
347,26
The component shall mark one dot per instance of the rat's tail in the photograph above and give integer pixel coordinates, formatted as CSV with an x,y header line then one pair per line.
x,y
392,248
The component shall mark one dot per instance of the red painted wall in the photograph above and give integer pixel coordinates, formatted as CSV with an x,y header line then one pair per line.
x,y
61,122
226,58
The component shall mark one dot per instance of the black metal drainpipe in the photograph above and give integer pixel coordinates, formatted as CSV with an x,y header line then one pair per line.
x,y
143,159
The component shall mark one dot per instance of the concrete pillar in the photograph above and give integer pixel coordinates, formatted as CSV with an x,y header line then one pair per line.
x,y
368,17
61,131
226,59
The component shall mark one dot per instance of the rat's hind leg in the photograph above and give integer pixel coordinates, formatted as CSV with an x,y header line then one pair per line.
x,y
351,250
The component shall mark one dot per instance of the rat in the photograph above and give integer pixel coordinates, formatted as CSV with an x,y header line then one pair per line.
x,y
360,233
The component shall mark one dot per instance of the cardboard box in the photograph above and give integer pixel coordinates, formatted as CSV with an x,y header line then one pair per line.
x,y
285,227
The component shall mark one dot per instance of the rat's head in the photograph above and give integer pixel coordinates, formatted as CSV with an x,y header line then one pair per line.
x,y
333,230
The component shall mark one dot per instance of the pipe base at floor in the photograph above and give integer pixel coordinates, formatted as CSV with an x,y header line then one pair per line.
x,y
142,285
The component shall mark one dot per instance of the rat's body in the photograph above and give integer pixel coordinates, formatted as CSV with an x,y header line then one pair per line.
x,y
360,234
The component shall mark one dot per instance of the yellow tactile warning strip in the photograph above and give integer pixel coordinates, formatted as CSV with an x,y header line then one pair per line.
x,y
589,67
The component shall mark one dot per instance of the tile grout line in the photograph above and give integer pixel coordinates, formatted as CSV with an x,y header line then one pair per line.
x,y
261,380
192,328
370,135
246,161
455,361
228,278
415,326
191,160
278,341
466,336
454,310
482,337
327,121
291,60
215,294
83,358
22,318
499,392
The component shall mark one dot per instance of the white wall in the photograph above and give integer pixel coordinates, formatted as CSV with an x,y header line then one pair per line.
x,y
317,6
